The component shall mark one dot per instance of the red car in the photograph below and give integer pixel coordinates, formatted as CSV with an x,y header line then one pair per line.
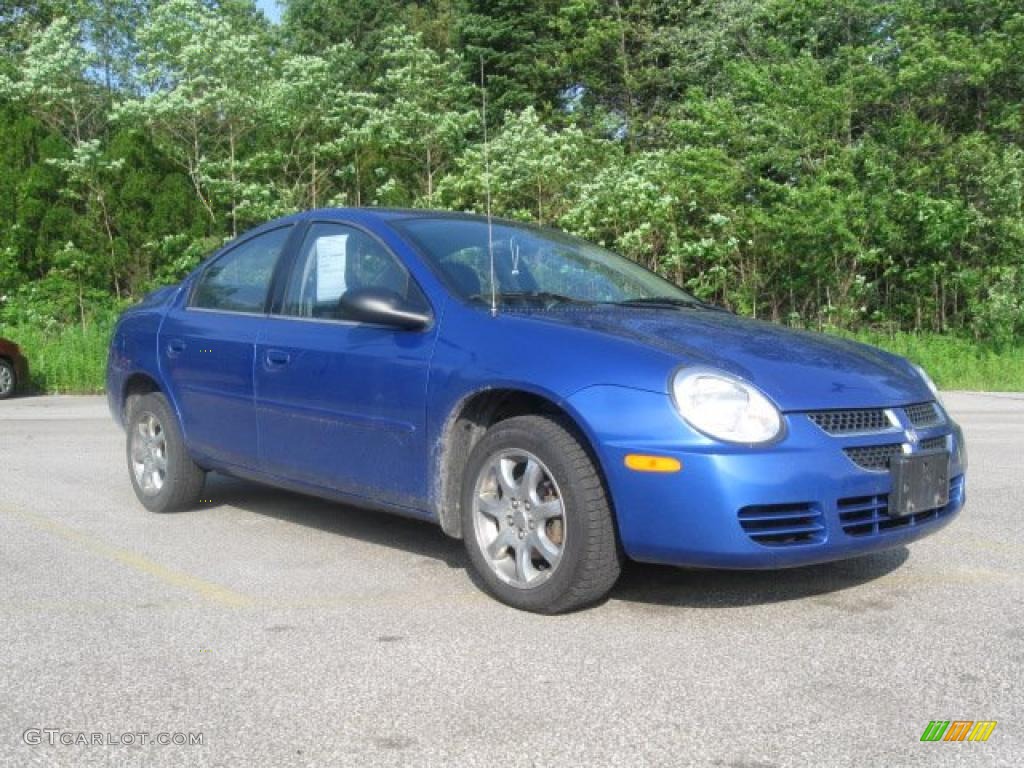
x,y
13,369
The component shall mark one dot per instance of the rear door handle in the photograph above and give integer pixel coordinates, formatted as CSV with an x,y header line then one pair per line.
x,y
276,358
175,347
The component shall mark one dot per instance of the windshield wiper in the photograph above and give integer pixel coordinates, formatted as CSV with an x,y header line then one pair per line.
x,y
663,302
545,296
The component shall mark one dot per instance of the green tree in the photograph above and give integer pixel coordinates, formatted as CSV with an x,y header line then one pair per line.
x,y
522,47
321,129
533,171
51,84
426,113
204,75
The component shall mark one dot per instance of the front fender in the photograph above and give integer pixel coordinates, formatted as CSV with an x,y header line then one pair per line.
x,y
623,420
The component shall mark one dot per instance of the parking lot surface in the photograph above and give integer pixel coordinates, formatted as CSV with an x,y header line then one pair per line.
x,y
290,631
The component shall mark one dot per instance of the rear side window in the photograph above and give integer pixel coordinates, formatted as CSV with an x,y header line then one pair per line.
x,y
239,280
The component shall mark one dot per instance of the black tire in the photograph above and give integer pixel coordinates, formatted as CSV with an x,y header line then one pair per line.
x,y
591,558
8,380
182,482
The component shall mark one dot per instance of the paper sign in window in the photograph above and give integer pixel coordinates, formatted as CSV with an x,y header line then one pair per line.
x,y
331,255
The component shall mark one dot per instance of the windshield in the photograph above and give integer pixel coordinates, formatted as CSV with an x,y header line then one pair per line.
x,y
532,263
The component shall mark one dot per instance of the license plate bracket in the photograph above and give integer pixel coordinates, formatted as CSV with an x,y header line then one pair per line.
x,y
920,482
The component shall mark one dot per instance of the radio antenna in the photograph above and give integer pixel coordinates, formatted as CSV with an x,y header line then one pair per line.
x,y
487,192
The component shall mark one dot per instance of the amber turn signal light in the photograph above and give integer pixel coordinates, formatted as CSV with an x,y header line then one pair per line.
x,y
641,462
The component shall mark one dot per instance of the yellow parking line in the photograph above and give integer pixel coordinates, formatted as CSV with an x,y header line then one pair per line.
x,y
205,589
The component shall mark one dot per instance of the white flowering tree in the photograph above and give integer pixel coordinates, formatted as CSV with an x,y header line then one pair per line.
x,y
321,127
205,75
51,82
534,170
427,110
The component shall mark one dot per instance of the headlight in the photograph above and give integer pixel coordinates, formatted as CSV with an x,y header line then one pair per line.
x,y
928,380
724,407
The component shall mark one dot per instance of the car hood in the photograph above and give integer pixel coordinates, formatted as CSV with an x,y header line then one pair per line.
x,y
799,370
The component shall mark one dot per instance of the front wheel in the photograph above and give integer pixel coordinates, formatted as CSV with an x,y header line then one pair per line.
x,y
536,519
163,475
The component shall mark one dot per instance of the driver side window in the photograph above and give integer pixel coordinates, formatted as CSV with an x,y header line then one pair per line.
x,y
335,259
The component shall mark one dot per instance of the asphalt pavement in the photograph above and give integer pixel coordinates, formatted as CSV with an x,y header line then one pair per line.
x,y
282,630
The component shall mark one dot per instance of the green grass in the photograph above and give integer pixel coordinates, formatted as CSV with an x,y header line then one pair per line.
x,y
70,360
955,362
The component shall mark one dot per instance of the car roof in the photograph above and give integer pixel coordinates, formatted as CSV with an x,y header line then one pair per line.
x,y
365,215
394,214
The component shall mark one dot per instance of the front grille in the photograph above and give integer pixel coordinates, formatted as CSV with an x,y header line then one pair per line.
x,y
923,414
780,525
851,421
934,443
869,515
874,457
866,420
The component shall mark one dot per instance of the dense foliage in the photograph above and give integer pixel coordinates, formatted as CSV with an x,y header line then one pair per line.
x,y
850,163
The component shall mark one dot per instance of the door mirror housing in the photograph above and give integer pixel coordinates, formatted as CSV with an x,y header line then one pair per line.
x,y
382,307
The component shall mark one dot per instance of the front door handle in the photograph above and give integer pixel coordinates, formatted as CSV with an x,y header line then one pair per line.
x,y
175,347
276,358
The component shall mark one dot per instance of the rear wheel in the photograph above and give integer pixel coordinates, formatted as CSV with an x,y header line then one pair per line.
x,y
8,380
537,523
163,475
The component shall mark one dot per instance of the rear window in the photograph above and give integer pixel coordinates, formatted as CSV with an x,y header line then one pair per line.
x,y
239,280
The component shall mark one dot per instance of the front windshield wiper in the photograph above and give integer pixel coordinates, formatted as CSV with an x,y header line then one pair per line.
x,y
544,296
663,302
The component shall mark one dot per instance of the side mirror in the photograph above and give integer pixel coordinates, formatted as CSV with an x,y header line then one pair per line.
x,y
381,307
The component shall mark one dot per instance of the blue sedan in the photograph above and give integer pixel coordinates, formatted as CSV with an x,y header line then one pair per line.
x,y
554,405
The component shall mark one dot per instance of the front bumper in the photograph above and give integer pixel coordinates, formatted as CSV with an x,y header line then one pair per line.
x,y
814,502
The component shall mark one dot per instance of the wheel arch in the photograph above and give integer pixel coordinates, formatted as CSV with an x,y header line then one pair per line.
x,y
136,385
466,424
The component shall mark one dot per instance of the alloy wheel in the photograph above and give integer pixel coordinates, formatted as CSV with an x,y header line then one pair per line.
x,y
519,518
149,454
